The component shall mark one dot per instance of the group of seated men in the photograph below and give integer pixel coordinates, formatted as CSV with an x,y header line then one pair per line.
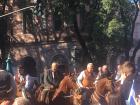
x,y
53,76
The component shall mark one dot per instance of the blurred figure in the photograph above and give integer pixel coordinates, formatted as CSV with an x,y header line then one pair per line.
x,y
128,70
19,76
103,73
98,75
21,101
118,73
99,69
115,99
28,74
7,88
20,80
120,76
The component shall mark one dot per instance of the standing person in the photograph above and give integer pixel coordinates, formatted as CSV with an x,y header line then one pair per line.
x,y
85,81
129,71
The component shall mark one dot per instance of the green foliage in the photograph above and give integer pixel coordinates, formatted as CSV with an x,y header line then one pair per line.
x,y
107,5
116,33
115,28
106,24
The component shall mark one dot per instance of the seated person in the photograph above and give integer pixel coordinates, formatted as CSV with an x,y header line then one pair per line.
x,y
103,72
86,77
51,80
52,77
85,81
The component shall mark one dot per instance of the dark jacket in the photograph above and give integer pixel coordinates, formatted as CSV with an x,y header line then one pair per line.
x,y
126,87
105,74
49,80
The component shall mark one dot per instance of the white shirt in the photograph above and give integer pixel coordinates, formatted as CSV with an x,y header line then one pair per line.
x,y
80,78
97,78
53,75
30,81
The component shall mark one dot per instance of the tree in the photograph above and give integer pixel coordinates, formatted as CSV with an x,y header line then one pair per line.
x,y
107,24
4,43
137,47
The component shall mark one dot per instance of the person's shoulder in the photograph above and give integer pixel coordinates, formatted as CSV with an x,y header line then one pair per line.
x,y
130,77
47,71
82,72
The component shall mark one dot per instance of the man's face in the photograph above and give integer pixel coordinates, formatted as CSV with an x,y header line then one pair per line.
x,y
54,67
90,68
20,70
104,68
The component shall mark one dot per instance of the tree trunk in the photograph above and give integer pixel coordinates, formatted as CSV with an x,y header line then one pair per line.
x,y
135,52
133,27
133,22
81,40
127,45
4,43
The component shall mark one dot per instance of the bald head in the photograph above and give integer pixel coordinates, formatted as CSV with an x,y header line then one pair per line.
x,y
90,67
54,66
104,68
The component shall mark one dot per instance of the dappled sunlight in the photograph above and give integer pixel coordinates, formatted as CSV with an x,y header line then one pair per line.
x,y
27,38
42,59
18,53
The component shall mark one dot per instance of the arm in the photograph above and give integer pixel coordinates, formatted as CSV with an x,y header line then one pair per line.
x,y
80,78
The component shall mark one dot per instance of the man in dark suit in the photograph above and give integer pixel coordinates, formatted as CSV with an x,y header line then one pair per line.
x,y
52,77
51,80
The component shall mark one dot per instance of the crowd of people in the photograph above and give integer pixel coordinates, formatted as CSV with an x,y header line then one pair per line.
x,y
20,88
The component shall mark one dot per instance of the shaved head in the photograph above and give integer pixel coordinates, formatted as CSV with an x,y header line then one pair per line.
x,y
104,68
90,67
